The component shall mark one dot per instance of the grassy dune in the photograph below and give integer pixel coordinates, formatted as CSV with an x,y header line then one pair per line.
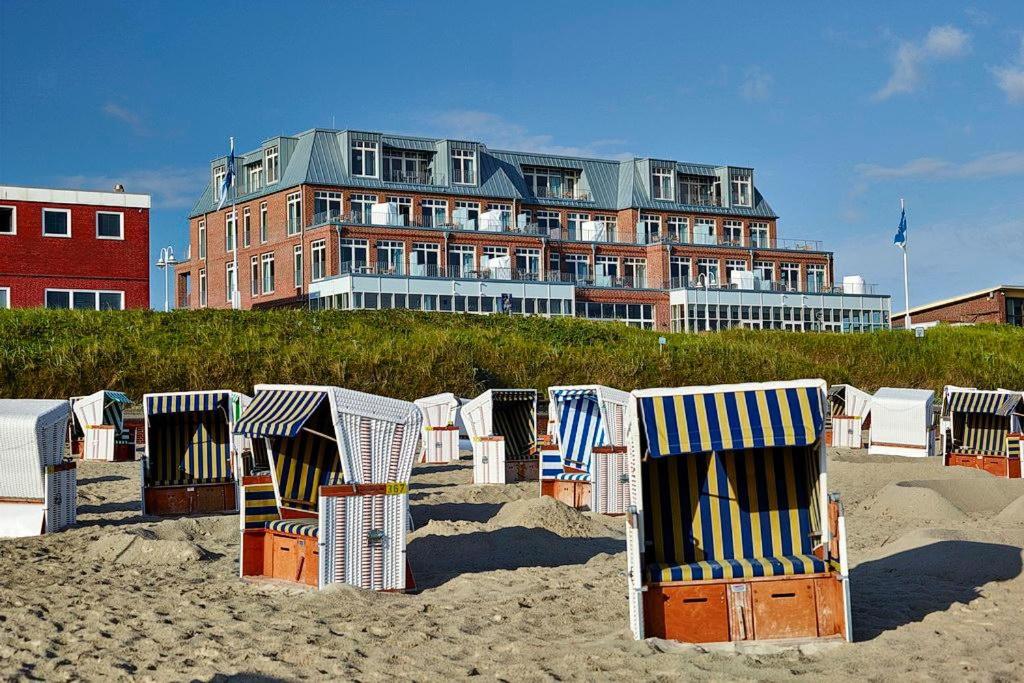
x,y
54,354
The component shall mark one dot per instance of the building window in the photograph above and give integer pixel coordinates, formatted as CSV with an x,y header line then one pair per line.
x,y
8,220
765,270
634,315
5,297
734,266
255,176
364,159
297,265
57,222
466,215
229,281
815,278
319,256
648,229
202,240
698,190
678,229
461,260
577,266
425,259
361,206
246,227
218,179
759,235
263,223
404,205
549,220
708,268
390,257
741,195
634,272
555,183
353,255
109,225
202,288
609,224
463,167
267,262
528,263
499,269
574,226
790,276
230,233
254,276
326,206
404,166
679,271
435,212
662,184
271,162
733,233
704,231
294,213
84,299
606,270
1014,311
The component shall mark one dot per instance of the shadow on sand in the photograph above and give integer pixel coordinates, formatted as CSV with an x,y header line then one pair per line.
x,y
455,512
99,480
906,587
438,559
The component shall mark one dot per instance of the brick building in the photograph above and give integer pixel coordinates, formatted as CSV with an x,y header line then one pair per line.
x,y
352,219
73,249
999,304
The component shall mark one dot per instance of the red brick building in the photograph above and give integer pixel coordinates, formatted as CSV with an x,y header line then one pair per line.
x,y
73,249
1000,304
354,219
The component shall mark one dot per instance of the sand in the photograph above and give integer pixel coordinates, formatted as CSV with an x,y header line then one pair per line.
x,y
513,588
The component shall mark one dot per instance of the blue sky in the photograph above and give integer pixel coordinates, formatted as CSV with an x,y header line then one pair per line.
x,y
841,111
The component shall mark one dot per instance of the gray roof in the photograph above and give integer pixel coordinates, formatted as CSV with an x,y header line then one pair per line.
x,y
318,158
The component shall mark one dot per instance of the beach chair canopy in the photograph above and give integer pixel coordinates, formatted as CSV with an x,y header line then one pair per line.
x,y
848,401
32,436
322,435
509,413
189,437
586,416
439,410
103,408
1001,403
731,487
981,420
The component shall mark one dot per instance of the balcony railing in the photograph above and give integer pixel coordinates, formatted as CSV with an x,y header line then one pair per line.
x,y
453,272
411,177
551,193
776,286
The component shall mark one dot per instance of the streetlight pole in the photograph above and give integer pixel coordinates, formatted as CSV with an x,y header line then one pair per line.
x,y
164,263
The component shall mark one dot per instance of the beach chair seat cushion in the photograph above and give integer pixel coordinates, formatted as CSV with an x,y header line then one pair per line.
x,y
786,565
301,527
573,476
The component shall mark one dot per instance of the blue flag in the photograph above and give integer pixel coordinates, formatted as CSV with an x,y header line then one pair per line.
x,y
900,240
229,176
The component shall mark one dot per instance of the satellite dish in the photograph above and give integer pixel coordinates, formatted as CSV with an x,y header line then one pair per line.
x,y
119,188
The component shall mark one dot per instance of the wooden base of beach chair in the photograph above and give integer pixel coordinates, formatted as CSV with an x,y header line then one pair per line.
x,y
194,499
767,608
993,464
78,447
124,452
522,470
575,494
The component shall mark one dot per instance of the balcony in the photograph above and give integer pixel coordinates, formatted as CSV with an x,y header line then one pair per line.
x,y
420,220
558,193
412,177
454,272
776,286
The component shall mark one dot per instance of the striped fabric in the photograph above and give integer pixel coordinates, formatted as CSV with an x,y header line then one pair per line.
x,y
113,409
1013,446
573,476
303,465
580,426
188,448
733,508
984,434
513,419
278,412
836,400
550,464
688,423
737,569
302,527
260,506
166,404
1000,403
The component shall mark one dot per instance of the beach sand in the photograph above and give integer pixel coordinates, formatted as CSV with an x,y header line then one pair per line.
x,y
514,587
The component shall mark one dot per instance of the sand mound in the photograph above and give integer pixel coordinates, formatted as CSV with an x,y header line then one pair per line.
x,y
904,500
556,517
981,494
1012,513
143,549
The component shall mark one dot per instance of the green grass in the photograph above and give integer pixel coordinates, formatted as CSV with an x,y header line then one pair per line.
x,y
55,354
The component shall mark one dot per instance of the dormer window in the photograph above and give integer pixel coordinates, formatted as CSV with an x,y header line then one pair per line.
x,y
272,165
698,190
218,180
255,176
554,183
463,167
741,191
662,186
364,159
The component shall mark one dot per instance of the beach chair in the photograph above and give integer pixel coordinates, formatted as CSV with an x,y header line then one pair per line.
x,y
98,431
502,427
984,430
440,434
587,422
38,487
335,506
849,409
902,423
192,462
731,534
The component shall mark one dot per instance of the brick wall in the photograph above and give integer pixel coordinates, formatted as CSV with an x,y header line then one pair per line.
x,y
979,309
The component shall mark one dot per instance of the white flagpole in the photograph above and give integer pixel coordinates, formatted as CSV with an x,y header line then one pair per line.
x,y
236,302
906,276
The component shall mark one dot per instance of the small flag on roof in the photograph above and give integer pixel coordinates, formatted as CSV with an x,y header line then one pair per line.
x,y
900,240
229,176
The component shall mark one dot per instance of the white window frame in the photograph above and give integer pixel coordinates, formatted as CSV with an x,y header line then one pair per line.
x,y
294,213
120,216
66,212
229,275
361,147
246,227
658,185
433,205
361,200
652,223
202,246
218,176
463,167
268,260
545,218
230,231
272,161
71,296
759,229
789,268
255,276
14,219
638,266
712,265
297,266
761,266
318,250
680,226
738,191
7,298
264,228
254,173
204,290
334,203
727,227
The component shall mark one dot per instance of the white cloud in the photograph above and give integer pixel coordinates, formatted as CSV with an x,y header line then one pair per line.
x,y
1010,79
499,133
756,85
171,187
941,43
993,165
125,115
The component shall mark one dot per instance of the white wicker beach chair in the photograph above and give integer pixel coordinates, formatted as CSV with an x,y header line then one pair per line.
x,y
99,420
502,426
38,487
440,433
